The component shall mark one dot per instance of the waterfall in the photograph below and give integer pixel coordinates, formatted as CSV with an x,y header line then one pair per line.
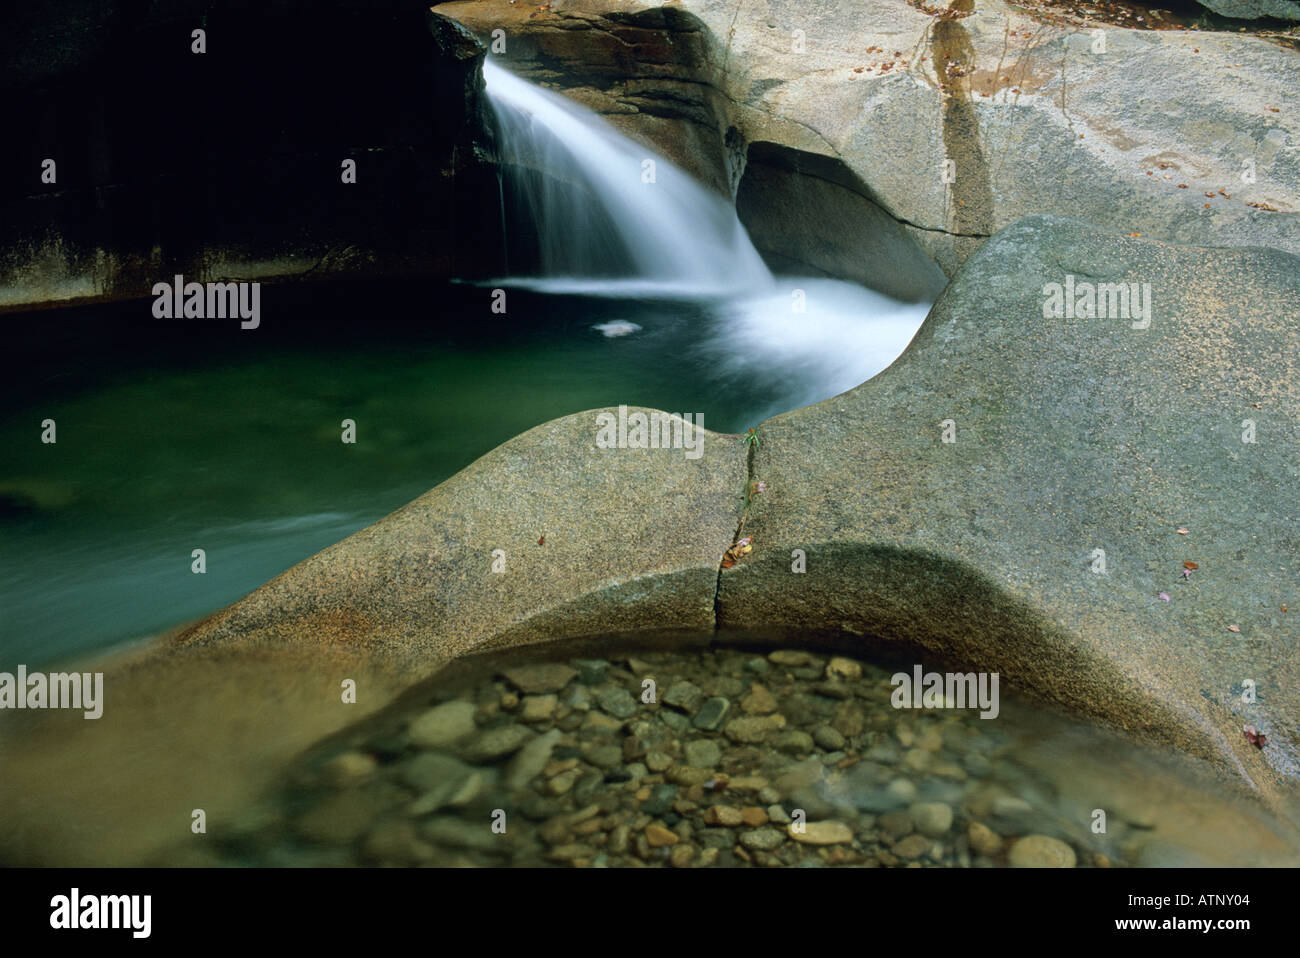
x,y
603,230
607,206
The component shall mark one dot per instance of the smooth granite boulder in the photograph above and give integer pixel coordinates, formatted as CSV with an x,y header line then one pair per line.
x,y
547,536
1042,541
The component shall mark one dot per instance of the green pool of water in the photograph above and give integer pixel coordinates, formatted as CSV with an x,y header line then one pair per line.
x,y
176,435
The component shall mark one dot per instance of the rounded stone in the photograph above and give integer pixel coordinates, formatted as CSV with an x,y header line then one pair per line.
x,y
821,833
793,741
660,837
442,725
702,753
1041,851
829,738
932,818
762,839
759,701
984,840
912,847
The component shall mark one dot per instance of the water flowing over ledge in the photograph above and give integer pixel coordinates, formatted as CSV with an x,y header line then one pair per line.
x,y
607,206
614,219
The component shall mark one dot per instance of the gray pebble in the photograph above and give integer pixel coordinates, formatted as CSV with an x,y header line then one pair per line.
x,y
428,770
686,696
712,714
778,814
618,703
793,741
674,720
605,756
703,753
763,839
442,725
661,800
496,743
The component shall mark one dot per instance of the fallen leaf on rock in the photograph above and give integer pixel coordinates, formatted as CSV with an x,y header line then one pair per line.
x,y
743,547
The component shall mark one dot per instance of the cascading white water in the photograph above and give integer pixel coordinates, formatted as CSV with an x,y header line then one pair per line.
x,y
600,189
602,229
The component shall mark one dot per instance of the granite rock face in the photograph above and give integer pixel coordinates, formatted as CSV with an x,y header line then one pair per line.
x,y
1006,497
1009,493
954,123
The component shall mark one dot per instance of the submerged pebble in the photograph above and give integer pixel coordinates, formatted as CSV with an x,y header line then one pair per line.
x,y
559,764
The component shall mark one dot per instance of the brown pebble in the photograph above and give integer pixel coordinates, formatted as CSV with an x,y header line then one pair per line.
x,y
660,837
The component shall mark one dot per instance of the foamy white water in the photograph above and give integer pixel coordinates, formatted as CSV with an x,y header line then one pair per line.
x,y
680,240
844,335
673,228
